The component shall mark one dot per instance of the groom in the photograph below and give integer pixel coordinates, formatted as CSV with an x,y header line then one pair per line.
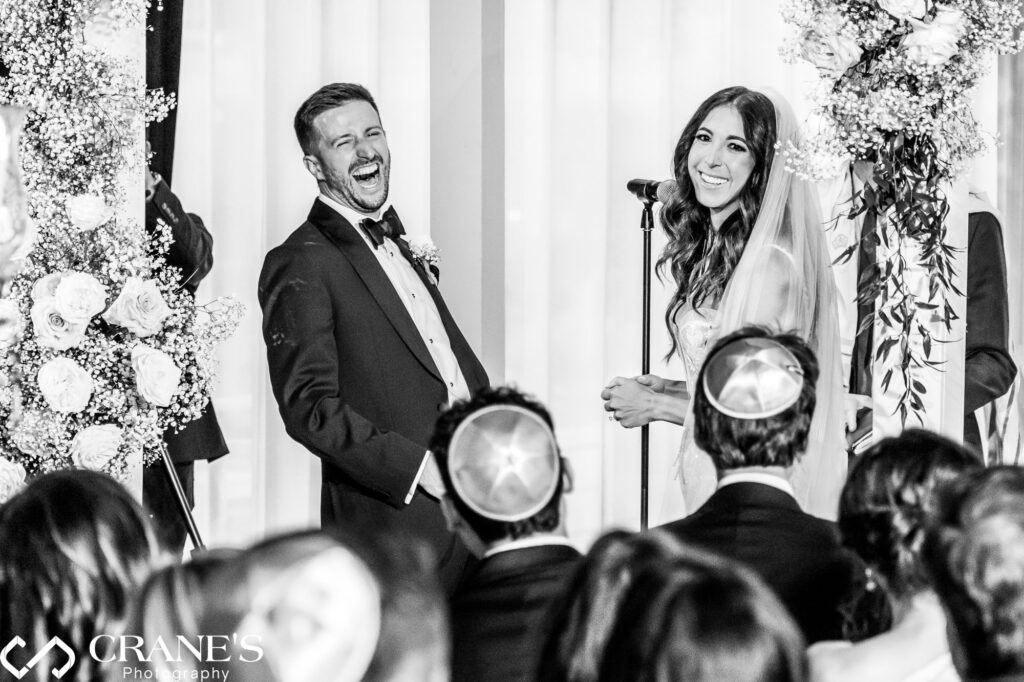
x,y
363,352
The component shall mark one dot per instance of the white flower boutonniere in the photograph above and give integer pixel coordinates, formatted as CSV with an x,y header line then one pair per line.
x,y
426,255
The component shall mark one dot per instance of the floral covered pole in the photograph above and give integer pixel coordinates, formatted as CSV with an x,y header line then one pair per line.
x,y
100,350
897,77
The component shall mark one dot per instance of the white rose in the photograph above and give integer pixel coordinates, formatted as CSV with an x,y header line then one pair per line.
x,y
46,286
94,446
65,385
12,477
904,9
79,296
829,51
933,44
51,329
11,322
156,375
139,307
87,211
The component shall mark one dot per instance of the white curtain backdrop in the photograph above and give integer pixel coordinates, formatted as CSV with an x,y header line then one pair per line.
x,y
597,92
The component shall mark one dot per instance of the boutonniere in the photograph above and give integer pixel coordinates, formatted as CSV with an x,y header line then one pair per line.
x,y
425,254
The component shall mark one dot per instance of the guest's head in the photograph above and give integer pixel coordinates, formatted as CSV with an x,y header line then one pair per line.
x,y
502,471
721,165
583,619
414,641
754,399
702,618
344,146
305,608
885,503
75,547
974,552
178,601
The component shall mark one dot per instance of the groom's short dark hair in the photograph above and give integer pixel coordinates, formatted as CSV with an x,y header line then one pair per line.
x,y
328,97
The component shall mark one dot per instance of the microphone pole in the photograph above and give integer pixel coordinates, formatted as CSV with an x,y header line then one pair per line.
x,y
646,225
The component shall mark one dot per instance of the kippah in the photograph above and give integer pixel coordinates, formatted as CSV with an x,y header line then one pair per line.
x,y
504,462
752,378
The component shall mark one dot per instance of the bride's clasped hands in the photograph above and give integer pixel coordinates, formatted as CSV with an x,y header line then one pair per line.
x,y
638,401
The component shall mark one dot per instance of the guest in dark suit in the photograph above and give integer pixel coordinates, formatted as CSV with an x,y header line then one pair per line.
x,y
504,481
363,352
753,402
191,251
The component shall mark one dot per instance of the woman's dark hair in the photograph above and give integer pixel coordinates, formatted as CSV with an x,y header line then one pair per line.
x,y
688,224
974,550
75,547
489,530
702,618
328,97
583,618
772,441
883,510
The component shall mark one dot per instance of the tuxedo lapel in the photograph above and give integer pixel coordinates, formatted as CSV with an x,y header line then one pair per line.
x,y
343,235
463,353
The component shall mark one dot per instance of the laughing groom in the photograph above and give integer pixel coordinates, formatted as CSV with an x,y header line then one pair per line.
x,y
363,352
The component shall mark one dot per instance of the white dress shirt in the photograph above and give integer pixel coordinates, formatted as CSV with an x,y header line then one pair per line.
x,y
758,477
420,305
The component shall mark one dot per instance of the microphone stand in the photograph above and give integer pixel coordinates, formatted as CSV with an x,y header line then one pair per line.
x,y
646,226
182,500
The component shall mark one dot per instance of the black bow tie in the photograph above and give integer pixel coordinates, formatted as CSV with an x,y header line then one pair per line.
x,y
388,226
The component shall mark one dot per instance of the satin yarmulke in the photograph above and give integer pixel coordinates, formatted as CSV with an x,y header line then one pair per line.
x,y
752,378
504,462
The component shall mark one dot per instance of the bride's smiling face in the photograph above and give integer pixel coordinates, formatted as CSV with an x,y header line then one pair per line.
x,y
720,162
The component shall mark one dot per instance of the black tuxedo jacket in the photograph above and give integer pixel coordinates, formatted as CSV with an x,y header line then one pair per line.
x,y
798,555
500,613
191,251
354,380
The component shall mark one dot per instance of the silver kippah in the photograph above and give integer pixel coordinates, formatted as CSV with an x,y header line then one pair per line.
x,y
504,463
752,378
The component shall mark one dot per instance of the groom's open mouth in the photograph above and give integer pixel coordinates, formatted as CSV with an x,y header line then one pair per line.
x,y
368,176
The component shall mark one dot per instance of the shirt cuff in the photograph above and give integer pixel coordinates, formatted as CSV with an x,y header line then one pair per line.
x,y
416,481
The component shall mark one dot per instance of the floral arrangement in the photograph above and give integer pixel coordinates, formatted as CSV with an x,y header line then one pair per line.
x,y
895,89
101,350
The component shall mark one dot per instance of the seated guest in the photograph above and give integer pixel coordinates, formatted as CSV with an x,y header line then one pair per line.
x,y
309,603
74,547
753,402
504,481
174,602
882,512
701,618
974,553
584,615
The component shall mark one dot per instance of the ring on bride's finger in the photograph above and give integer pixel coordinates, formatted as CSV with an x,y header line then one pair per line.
x,y
611,418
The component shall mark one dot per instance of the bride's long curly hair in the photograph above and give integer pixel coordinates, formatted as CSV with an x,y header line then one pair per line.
x,y
688,224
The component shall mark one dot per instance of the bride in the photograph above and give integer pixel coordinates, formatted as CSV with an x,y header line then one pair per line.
x,y
745,246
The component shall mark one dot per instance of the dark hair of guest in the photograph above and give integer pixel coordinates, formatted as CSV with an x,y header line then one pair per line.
x,y
582,619
687,223
702,618
974,553
75,548
489,530
772,441
328,97
883,509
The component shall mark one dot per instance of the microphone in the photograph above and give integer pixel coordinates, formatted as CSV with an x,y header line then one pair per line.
x,y
652,190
